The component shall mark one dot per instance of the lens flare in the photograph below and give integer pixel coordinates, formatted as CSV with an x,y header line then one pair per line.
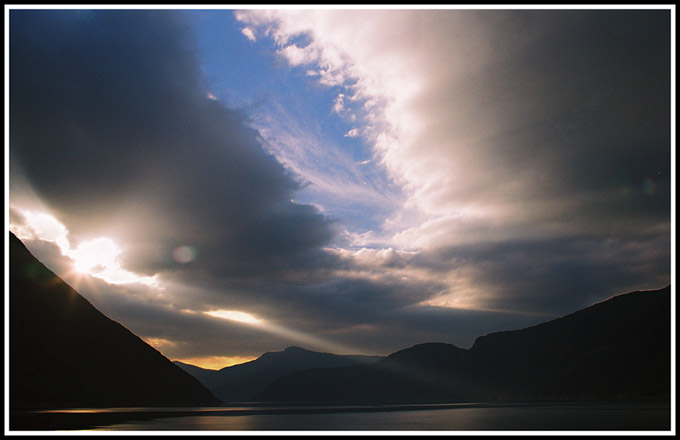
x,y
649,186
184,254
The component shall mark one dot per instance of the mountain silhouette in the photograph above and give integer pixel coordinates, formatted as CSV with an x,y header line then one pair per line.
x,y
63,352
618,349
240,383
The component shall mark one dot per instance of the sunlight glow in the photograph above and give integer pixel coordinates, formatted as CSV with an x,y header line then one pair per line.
x,y
42,226
216,362
159,343
98,257
233,315
95,255
283,332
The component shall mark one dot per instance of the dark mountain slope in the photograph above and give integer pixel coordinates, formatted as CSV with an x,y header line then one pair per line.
x,y
417,374
615,350
618,348
239,383
204,375
65,353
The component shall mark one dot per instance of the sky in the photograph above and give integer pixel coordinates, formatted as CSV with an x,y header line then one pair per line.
x,y
229,182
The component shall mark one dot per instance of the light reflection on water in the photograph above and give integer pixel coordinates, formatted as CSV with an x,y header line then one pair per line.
x,y
475,418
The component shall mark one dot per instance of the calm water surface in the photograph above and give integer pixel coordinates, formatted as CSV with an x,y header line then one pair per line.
x,y
466,417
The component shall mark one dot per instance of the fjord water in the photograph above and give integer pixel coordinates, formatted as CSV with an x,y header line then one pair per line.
x,y
458,417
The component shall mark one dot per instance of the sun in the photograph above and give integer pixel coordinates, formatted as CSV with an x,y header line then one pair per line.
x,y
96,256
100,258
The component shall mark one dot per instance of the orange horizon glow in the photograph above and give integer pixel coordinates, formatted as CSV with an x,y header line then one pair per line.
x,y
216,362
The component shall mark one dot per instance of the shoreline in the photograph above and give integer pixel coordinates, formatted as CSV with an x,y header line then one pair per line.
x,y
93,418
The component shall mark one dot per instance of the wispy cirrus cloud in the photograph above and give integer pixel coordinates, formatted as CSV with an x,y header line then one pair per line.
x,y
478,127
503,126
329,174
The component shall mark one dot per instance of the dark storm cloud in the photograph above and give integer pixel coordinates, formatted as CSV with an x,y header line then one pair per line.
x,y
547,107
560,275
602,79
350,301
583,122
111,125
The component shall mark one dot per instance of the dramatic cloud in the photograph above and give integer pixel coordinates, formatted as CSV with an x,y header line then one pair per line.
x,y
506,129
111,125
411,176
111,128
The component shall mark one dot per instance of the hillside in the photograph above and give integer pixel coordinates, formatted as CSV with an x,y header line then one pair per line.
x,y
240,383
63,352
618,349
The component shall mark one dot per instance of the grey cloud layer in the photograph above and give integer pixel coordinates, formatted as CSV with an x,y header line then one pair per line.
x,y
556,106
111,124
552,126
563,118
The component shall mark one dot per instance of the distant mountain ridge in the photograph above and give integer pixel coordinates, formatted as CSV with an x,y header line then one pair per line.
x,y
618,349
240,383
63,352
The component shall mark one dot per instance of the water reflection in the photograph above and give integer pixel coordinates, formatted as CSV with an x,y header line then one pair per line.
x,y
458,417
